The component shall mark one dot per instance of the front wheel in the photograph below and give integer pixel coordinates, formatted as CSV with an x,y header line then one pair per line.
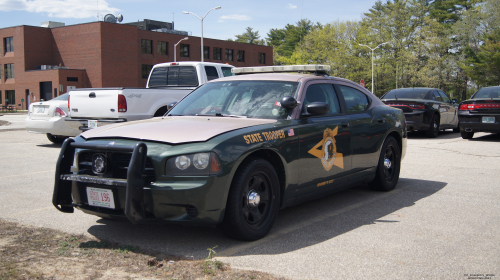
x,y
389,165
253,201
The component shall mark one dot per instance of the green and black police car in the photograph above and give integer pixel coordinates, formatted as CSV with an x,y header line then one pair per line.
x,y
235,151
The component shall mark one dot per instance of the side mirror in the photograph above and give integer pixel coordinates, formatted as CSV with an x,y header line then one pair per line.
x,y
288,102
318,108
169,106
454,101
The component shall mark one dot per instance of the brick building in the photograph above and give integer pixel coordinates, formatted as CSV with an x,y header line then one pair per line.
x,y
41,63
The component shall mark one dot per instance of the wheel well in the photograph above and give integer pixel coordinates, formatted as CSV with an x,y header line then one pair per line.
x,y
160,112
275,160
396,136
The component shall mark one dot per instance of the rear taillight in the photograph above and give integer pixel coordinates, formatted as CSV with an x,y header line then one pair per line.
x,y
68,102
479,106
122,103
59,112
411,105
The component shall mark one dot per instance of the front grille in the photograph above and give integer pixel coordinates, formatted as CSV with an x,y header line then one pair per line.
x,y
117,165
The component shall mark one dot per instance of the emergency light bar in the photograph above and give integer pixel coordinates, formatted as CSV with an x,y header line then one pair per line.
x,y
319,69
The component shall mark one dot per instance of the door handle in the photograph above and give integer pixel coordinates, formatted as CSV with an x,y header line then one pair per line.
x,y
345,124
381,120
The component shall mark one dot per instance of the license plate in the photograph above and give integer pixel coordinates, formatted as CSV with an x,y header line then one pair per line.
x,y
100,197
488,119
40,109
92,124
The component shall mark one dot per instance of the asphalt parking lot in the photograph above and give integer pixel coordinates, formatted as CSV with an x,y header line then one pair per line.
x,y
441,222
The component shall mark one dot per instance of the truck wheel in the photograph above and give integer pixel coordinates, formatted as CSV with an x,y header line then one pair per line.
x,y
55,138
160,112
389,165
433,130
253,201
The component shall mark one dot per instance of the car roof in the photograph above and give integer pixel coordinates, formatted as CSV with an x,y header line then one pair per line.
x,y
290,77
191,63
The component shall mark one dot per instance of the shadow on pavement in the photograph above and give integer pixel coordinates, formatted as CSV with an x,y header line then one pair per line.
x,y
295,228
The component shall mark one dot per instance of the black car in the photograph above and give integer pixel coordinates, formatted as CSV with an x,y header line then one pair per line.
x,y
481,113
425,109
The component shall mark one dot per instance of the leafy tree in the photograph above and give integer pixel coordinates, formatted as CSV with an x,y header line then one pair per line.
x,y
285,40
483,65
250,37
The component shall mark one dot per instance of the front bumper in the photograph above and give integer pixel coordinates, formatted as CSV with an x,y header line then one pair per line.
x,y
83,124
194,201
54,126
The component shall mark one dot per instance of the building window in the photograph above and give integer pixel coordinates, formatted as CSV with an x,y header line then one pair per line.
x,y
162,48
8,44
184,50
147,46
229,55
10,97
240,56
145,70
9,71
217,54
71,79
206,52
1,100
262,58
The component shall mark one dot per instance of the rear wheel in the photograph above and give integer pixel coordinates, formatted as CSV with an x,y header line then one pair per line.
x,y
457,129
389,165
55,138
466,135
433,130
253,201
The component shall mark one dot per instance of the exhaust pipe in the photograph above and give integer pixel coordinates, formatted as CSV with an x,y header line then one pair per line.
x,y
468,130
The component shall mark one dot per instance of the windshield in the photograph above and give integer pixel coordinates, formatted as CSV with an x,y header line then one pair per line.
x,y
489,92
251,99
406,93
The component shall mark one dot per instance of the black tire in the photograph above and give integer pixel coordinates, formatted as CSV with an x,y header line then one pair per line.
x,y
56,139
466,135
243,219
433,130
160,112
389,165
457,129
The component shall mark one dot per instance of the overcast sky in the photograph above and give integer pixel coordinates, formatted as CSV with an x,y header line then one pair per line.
x,y
232,19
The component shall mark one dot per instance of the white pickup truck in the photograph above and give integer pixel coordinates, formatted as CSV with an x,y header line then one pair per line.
x,y
167,83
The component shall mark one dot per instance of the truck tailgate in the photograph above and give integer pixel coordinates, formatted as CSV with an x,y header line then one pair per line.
x,y
99,103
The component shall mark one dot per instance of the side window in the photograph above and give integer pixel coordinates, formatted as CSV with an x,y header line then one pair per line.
x,y
437,96
226,71
322,93
356,101
444,97
211,73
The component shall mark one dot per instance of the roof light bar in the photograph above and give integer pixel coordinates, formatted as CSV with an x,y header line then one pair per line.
x,y
323,69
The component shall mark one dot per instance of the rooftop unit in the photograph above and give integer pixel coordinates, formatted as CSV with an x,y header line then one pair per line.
x,y
52,24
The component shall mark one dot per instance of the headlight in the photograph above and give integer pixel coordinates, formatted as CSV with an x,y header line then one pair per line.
x,y
201,164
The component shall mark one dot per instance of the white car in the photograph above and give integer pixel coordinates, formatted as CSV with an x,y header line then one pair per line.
x,y
48,117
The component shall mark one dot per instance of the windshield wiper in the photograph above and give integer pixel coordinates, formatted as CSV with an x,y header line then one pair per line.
x,y
220,115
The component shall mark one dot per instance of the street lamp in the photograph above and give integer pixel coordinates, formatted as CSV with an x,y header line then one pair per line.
x,y
175,47
372,60
216,8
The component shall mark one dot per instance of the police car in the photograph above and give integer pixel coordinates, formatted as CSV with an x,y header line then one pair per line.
x,y
235,151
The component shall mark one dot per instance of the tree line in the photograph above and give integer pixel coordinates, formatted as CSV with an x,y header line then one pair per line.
x,y
453,45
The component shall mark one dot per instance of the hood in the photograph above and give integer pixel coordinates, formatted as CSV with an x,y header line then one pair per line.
x,y
174,130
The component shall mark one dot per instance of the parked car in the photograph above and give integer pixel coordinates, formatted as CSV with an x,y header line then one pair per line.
x,y
235,151
481,113
425,109
48,117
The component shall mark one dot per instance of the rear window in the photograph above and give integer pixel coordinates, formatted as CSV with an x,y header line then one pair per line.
x,y
174,76
226,71
410,93
490,92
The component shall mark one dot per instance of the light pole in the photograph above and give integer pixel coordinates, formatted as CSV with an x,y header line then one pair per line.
x,y
175,47
372,61
216,8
